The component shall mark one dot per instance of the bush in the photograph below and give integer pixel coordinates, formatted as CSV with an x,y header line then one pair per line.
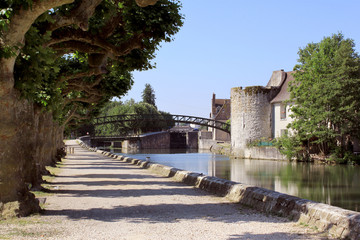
x,y
292,148
342,157
262,142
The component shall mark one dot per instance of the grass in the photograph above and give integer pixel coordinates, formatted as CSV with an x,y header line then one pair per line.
x,y
39,194
33,219
304,224
31,227
54,171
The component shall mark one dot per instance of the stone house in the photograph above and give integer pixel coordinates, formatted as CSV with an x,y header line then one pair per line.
x,y
281,109
262,112
220,111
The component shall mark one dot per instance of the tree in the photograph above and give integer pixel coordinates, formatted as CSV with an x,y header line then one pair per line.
x,y
141,110
148,95
326,95
60,62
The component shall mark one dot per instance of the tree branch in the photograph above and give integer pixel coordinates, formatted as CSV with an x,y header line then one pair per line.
x,y
77,35
89,99
72,46
79,16
91,72
70,116
145,3
111,26
81,87
21,22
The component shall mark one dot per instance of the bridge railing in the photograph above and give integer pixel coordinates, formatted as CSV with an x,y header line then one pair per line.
x,y
176,118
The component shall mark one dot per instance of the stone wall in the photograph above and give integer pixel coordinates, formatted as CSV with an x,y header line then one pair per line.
x,y
263,153
338,222
205,140
221,148
129,145
192,140
156,141
219,135
250,116
277,78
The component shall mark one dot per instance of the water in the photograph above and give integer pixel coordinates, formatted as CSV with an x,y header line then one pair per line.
x,y
335,185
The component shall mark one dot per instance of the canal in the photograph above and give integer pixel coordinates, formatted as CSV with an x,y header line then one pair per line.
x,y
335,185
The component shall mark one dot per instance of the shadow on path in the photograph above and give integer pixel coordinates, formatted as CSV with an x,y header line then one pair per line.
x,y
164,213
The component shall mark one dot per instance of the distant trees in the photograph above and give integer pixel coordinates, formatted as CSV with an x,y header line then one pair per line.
x,y
148,95
142,110
326,97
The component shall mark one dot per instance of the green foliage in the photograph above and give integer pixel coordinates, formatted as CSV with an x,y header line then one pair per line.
x,y
341,156
140,109
148,95
292,148
325,93
6,51
5,14
43,73
36,68
229,126
262,142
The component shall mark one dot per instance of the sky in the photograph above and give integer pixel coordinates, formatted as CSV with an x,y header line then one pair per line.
x,y
233,43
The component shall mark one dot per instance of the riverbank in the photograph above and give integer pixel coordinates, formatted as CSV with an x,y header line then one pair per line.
x,y
337,221
221,148
98,197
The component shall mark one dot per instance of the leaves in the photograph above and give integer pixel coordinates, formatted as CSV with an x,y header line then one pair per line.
x,y
148,95
325,92
62,71
142,110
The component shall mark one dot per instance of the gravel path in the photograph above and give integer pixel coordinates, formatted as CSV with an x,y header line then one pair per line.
x,y
101,198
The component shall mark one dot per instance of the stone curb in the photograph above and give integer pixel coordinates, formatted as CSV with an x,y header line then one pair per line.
x,y
341,223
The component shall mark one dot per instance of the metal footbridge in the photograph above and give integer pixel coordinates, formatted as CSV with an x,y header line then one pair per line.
x,y
167,118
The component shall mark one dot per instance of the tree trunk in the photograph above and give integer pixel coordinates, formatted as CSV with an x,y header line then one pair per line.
x,y
30,140
17,121
15,134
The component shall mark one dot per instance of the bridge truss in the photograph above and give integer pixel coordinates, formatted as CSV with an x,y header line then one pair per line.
x,y
119,119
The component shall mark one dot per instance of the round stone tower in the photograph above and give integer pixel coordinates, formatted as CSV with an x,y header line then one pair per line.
x,y
250,116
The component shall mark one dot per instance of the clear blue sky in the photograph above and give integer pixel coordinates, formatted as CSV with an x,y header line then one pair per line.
x,y
232,43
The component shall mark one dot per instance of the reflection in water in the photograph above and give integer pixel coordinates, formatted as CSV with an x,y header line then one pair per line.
x,y
336,185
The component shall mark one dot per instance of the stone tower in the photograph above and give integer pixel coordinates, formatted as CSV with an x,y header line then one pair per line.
x,y
251,113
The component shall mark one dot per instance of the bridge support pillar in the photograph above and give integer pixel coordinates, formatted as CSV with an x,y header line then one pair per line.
x,y
116,144
192,140
130,145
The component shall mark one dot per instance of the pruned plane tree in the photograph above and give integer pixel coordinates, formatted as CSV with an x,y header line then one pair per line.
x,y
60,62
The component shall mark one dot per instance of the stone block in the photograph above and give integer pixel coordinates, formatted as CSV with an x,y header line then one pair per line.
x,y
180,175
355,223
321,225
304,218
336,230
351,235
191,178
235,193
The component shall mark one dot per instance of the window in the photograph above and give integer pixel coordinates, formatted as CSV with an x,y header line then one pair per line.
x,y
282,111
